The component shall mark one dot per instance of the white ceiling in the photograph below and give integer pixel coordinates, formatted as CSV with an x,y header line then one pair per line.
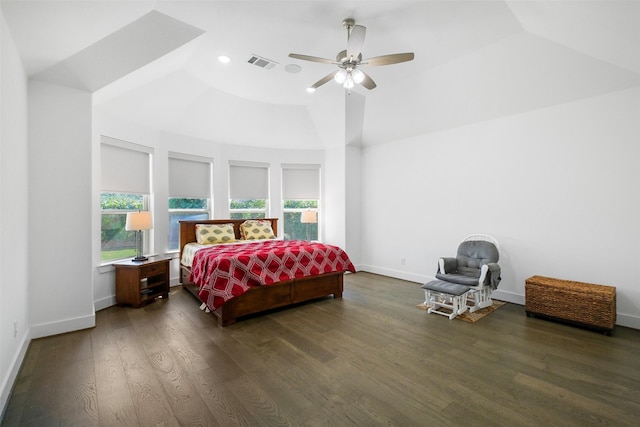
x,y
155,63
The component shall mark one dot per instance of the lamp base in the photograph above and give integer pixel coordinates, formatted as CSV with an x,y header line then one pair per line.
x,y
139,258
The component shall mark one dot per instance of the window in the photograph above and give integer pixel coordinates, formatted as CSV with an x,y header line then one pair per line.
x,y
116,243
184,210
248,208
126,187
248,190
300,192
294,229
190,179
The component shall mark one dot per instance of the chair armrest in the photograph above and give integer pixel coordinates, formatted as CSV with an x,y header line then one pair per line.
x,y
490,275
447,265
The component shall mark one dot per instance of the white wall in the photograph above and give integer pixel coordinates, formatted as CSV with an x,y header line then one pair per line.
x,y
353,194
355,106
60,221
14,230
342,203
558,188
162,143
334,201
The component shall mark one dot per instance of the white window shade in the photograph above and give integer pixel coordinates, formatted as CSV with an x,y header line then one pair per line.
x,y
189,179
124,170
248,181
301,182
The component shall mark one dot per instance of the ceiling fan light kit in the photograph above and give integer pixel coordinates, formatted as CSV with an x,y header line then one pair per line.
x,y
348,61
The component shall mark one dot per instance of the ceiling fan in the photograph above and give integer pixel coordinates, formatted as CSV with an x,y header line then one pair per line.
x,y
350,60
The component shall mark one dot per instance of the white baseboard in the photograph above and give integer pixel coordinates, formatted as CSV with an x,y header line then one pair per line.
x,y
12,373
508,297
63,326
103,303
626,320
622,319
396,274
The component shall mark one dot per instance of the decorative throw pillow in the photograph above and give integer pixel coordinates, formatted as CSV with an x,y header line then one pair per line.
x,y
211,234
255,230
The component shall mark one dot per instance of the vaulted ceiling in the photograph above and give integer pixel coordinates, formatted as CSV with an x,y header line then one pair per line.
x,y
155,63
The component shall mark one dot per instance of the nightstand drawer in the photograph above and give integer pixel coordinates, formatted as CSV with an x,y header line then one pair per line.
x,y
153,269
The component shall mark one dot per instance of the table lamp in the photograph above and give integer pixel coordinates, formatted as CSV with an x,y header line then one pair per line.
x,y
309,217
138,221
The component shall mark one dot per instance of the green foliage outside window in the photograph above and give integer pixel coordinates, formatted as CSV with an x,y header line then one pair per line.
x,y
248,215
248,208
121,201
116,242
176,203
293,228
301,204
258,204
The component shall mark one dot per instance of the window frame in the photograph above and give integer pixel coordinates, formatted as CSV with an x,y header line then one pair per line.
x,y
250,189
301,184
123,171
187,181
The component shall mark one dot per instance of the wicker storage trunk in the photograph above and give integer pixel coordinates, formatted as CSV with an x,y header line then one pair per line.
x,y
581,304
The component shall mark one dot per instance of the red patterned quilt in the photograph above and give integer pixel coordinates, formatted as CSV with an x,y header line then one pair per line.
x,y
226,271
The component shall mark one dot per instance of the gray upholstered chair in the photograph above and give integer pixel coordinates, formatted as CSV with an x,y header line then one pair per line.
x,y
466,281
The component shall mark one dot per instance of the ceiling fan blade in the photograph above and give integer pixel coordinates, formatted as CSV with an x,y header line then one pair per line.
x,y
394,58
368,82
311,58
356,41
324,80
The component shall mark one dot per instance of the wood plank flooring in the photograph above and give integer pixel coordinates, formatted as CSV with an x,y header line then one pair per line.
x,y
370,358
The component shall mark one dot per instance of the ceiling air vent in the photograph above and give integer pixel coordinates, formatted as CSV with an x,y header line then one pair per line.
x,y
261,62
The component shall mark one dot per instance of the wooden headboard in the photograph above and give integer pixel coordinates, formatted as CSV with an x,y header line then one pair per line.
x,y
188,228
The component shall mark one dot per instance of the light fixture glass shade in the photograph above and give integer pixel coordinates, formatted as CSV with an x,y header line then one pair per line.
x,y
358,76
309,217
348,83
340,76
138,221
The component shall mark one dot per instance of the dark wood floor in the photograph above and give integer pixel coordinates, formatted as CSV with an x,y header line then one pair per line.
x,y
370,358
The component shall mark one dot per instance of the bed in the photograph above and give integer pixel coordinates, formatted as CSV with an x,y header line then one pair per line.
x,y
258,297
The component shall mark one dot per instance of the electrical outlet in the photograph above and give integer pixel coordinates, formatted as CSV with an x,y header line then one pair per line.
x,y
403,261
15,328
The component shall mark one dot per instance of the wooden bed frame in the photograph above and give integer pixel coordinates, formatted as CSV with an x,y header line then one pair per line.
x,y
259,298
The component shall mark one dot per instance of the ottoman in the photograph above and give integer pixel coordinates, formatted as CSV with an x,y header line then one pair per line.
x,y
581,304
440,294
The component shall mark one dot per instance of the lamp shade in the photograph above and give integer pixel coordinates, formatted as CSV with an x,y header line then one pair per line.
x,y
309,217
358,76
340,76
138,221
348,82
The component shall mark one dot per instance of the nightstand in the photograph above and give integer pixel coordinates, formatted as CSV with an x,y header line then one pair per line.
x,y
140,282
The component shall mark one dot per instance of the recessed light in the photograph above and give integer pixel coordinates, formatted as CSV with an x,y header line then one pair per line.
x,y
224,59
292,68
311,89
